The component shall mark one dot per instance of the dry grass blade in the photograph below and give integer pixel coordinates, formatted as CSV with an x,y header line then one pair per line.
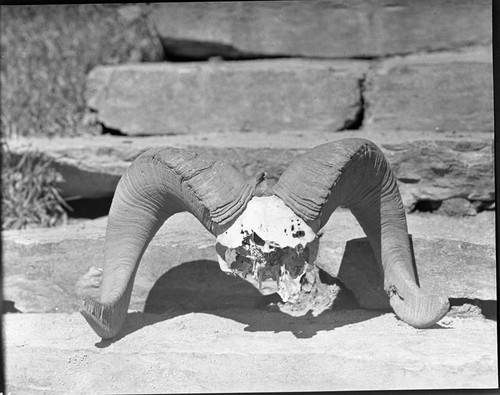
x,y
29,194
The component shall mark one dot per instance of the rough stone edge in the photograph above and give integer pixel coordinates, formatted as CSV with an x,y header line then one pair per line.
x,y
252,140
113,154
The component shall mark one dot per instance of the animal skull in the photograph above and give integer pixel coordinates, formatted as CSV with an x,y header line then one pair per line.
x,y
266,235
269,246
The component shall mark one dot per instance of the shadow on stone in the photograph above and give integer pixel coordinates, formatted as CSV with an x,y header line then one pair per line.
x,y
90,208
200,286
184,50
360,272
8,307
436,326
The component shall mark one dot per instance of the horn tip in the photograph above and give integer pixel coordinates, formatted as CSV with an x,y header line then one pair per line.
x,y
94,313
421,311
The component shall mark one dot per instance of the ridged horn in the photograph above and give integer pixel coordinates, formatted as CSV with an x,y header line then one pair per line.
x,y
158,184
354,173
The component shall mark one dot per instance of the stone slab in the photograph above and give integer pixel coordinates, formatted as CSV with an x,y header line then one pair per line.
x,y
247,350
437,169
443,91
60,260
428,165
444,266
319,28
273,95
50,270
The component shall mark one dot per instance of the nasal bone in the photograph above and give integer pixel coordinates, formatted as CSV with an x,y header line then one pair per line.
x,y
267,247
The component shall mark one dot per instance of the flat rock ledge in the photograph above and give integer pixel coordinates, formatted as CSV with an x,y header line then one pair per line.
x,y
429,166
424,91
191,328
50,270
241,350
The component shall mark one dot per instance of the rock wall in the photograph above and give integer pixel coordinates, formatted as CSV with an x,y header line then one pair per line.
x,y
324,29
414,77
397,65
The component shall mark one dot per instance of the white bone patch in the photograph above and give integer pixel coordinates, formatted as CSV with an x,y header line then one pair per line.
x,y
268,244
273,221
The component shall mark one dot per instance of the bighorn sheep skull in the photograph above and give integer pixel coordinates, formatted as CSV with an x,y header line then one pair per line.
x,y
270,246
266,234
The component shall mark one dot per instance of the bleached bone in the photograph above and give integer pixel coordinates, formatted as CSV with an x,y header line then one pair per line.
x,y
268,241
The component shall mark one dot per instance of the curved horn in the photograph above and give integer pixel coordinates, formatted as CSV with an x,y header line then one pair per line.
x,y
354,173
158,184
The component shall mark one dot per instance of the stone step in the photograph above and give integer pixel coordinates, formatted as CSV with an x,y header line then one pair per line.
x,y
442,91
429,166
333,28
274,95
50,270
447,91
248,350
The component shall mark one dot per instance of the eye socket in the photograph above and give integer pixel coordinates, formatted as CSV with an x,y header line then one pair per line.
x,y
241,263
257,240
245,240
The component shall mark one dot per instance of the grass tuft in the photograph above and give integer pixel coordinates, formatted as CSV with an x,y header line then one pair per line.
x,y
29,193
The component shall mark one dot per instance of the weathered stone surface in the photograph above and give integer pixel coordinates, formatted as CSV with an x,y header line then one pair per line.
x,y
475,230
441,91
319,28
204,318
47,270
62,256
273,95
438,169
248,350
457,207
428,166
444,266
453,256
